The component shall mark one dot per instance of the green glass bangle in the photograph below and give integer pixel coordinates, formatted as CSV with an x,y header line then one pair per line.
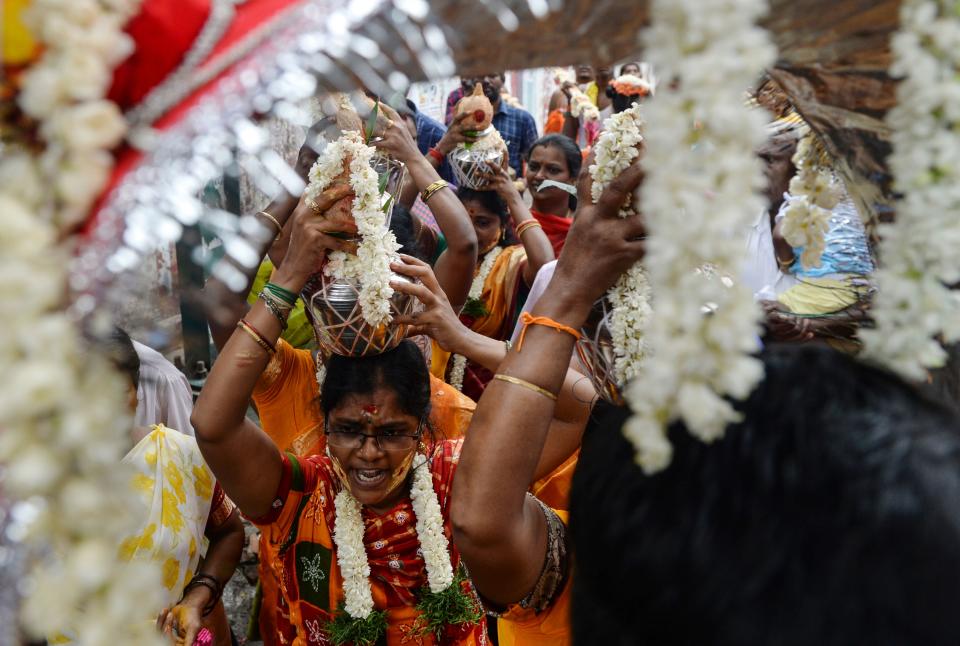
x,y
285,295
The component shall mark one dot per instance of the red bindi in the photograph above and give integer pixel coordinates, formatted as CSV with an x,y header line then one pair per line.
x,y
371,409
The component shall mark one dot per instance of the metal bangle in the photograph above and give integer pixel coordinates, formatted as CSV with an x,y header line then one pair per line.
x,y
526,384
275,308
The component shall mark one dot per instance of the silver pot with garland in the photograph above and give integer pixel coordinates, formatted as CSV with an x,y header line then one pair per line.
x,y
469,162
334,310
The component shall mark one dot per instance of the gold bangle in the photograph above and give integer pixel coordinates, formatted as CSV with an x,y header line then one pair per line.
x,y
433,188
243,325
526,384
525,226
272,219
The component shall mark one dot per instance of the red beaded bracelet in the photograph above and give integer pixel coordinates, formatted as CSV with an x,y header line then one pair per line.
x,y
436,154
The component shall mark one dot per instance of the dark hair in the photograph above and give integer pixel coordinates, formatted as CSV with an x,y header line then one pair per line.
x,y
827,516
401,223
118,348
571,152
621,102
402,370
493,203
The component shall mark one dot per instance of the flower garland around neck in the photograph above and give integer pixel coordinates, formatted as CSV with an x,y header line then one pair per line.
x,y
814,192
629,298
444,602
476,308
701,192
378,245
914,306
62,406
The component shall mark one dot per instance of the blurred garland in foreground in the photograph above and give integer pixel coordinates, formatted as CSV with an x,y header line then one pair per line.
x,y
915,308
701,192
62,408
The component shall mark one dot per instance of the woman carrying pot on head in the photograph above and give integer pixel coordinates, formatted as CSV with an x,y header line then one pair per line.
x,y
362,533
506,268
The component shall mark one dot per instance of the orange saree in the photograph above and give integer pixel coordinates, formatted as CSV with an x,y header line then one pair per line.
x,y
502,296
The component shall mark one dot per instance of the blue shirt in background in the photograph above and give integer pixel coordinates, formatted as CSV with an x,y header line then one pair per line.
x,y
429,133
519,130
845,244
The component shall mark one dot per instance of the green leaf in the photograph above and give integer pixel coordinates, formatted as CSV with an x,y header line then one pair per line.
x,y
476,308
384,180
387,204
451,606
344,629
372,122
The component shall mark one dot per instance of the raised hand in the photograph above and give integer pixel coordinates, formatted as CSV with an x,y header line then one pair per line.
x,y
311,240
396,140
455,135
601,245
437,320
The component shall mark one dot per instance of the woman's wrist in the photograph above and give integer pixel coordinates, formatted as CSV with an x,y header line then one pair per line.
x,y
445,146
198,597
564,302
289,280
422,172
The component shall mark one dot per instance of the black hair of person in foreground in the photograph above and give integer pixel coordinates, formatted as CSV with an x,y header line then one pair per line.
x,y
829,516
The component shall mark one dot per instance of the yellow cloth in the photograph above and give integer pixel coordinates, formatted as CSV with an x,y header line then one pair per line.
x,y
823,295
299,332
499,296
553,489
523,627
177,487
593,92
18,44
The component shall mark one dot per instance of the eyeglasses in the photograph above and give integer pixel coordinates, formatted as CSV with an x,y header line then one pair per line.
x,y
385,441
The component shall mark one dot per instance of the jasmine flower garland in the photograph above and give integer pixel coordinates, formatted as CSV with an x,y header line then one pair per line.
x,y
702,190
629,298
473,307
62,409
378,245
918,252
814,193
352,559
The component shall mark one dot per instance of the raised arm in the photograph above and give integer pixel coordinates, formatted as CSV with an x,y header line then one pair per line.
x,y
231,305
497,527
440,322
535,242
244,460
456,266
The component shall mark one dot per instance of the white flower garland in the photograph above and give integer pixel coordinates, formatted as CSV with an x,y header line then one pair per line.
x,y
348,532
378,245
629,298
815,192
459,365
919,251
63,91
702,190
61,408
581,107
433,542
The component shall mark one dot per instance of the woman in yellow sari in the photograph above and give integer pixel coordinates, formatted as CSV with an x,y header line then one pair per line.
x,y
189,527
505,270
